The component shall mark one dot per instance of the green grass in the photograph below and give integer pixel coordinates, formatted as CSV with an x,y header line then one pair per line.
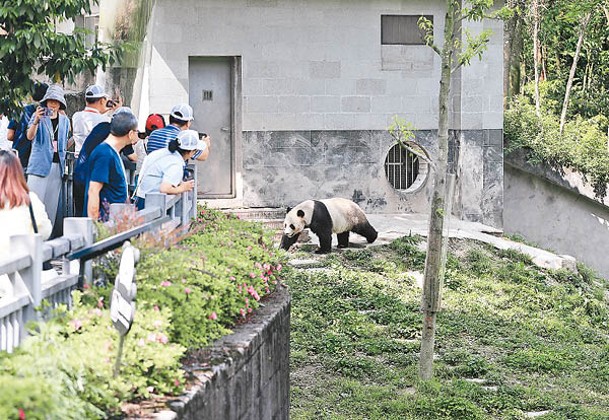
x,y
512,338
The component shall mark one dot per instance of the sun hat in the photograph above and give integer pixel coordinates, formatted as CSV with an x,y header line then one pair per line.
x,y
182,112
189,140
54,92
95,92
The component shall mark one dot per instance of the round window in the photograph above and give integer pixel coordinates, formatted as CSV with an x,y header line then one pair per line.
x,y
405,170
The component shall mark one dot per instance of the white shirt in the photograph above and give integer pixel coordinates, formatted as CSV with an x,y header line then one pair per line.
x,y
83,123
17,221
160,166
4,143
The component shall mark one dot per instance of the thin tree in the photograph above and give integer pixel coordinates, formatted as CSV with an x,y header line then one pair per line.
x,y
580,41
536,24
454,53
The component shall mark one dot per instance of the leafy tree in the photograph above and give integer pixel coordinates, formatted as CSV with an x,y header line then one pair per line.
x,y
31,46
454,52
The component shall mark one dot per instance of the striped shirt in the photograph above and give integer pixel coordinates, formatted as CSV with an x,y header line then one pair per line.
x,y
159,139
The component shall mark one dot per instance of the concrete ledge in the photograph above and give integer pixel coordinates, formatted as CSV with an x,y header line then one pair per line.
x,y
245,375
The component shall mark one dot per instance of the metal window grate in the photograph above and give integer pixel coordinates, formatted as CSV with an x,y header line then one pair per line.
x,y
402,30
208,95
401,167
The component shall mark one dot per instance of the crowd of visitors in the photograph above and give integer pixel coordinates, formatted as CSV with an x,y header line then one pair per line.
x,y
38,137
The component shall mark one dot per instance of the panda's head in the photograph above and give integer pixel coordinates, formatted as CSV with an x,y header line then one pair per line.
x,y
294,222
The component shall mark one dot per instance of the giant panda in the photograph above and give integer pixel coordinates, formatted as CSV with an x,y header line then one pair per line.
x,y
325,217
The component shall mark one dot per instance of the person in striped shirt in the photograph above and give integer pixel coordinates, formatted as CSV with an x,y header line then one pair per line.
x,y
180,119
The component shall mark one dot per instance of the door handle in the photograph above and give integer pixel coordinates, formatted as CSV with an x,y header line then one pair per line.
x,y
226,129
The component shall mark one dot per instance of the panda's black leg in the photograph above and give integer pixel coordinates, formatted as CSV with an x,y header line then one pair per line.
x,y
343,239
325,243
287,242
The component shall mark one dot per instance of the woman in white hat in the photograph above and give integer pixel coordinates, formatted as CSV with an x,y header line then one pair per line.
x,y
163,169
49,131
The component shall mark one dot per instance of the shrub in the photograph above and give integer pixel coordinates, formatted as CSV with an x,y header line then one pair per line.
x,y
582,145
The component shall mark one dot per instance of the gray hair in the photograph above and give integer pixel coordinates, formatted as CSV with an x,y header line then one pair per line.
x,y
122,122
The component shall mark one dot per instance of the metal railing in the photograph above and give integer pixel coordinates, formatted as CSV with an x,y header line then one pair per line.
x,y
74,250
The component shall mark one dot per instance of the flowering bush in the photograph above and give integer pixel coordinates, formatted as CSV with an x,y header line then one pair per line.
x,y
212,278
188,295
71,360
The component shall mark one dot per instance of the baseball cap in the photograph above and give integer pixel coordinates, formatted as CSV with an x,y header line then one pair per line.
x,y
189,140
95,92
153,122
182,112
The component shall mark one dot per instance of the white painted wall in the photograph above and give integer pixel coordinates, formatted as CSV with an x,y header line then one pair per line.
x,y
319,64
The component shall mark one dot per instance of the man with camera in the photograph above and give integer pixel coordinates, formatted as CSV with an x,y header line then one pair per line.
x,y
98,106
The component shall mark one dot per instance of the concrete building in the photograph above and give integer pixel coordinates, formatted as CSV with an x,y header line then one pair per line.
x,y
297,96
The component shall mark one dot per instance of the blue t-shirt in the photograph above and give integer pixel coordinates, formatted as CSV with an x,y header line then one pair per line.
x,y
106,167
99,133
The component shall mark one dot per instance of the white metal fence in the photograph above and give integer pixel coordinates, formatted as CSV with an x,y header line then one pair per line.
x,y
31,285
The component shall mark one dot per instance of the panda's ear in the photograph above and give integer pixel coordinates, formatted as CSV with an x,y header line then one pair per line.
x,y
300,213
288,209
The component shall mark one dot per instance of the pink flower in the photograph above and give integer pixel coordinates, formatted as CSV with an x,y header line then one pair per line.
x,y
151,337
21,414
157,323
279,267
155,308
252,275
249,248
86,286
258,265
232,278
97,312
162,338
213,316
100,302
176,382
242,312
165,283
187,290
141,342
249,310
253,292
76,324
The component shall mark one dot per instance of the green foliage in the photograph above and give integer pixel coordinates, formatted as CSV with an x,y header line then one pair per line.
x,y
512,338
583,145
187,295
31,46
72,357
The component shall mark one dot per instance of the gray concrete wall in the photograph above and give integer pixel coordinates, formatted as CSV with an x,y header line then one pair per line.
x,y
318,66
557,211
245,375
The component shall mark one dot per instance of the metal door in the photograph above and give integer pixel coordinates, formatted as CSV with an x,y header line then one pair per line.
x,y
211,99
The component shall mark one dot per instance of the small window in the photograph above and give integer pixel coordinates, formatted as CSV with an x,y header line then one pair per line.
x,y
404,170
402,30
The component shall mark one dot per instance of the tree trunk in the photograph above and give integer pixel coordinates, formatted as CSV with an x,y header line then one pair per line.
x,y
535,11
431,300
580,41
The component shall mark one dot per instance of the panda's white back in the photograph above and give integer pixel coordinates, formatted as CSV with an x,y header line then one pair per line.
x,y
345,214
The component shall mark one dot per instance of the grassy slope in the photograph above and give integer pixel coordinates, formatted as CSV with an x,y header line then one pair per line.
x,y
512,338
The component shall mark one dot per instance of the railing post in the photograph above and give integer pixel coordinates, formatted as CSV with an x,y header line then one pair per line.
x,y
30,277
194,195
81,226
157,200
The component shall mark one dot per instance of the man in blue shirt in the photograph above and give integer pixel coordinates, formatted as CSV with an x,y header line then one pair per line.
x,y
106,181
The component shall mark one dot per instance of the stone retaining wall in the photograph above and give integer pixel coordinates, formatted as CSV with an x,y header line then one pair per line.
x,y
249,377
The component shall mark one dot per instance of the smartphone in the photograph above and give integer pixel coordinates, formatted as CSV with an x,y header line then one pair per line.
x,y
48,112
110,103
